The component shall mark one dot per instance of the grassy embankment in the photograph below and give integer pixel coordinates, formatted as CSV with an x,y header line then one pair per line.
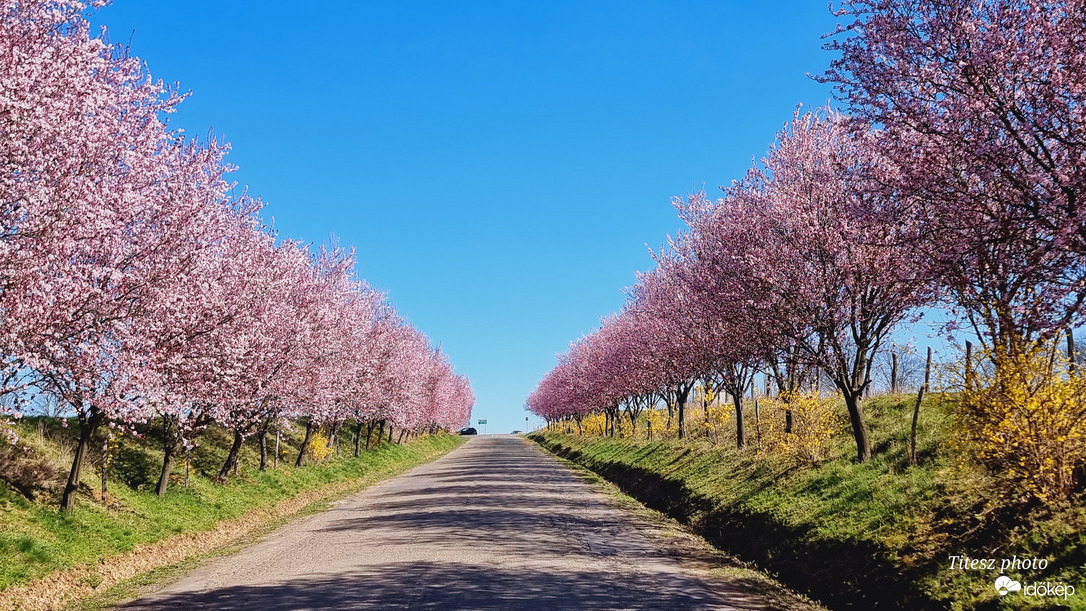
x,y
50,557
873,535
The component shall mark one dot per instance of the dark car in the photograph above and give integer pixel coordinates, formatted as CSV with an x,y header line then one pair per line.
x,y
467,430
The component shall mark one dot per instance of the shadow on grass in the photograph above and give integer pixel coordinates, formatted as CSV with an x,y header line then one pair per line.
x,y
846,574
137,467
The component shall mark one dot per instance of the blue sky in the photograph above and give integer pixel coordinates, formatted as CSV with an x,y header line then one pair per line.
x,y
500,167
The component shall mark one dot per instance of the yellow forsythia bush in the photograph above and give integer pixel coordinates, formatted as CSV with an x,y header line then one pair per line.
x,y
1024,419
814,423
720,415
623,428
655,421
594,424
319,449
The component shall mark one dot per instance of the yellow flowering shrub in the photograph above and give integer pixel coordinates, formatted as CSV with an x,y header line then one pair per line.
x,y
1024,419
319,449
720,417
814,423
595,424
623,429
656,421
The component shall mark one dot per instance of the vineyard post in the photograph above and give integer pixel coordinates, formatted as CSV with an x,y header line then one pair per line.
x,y
916,408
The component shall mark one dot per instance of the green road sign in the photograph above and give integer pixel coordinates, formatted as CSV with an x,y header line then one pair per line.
x,y
482,421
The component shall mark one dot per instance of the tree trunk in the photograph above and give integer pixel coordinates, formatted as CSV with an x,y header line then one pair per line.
x,y
170,441
757,422
263,450
680,420
680,398
369,433
893,373
305,443
740,438
105,469
1070,351
612,418
705,411
265,426
231,458
633,420
173,439
167,467
333,437
358,438
854,403
789,391
390,432
88,424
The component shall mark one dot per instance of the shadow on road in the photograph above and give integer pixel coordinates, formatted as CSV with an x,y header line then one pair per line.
x,y
495,525
428,585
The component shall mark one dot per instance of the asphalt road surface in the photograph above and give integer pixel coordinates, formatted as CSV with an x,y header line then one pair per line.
x,y
496,524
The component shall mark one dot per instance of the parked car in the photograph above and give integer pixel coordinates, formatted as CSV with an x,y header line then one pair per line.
x,y
467,430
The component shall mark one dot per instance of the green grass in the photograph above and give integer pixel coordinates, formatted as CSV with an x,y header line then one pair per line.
x,y
37,539
850,534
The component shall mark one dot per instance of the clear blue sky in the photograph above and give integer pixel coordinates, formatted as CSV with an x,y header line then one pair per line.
x,y
500,167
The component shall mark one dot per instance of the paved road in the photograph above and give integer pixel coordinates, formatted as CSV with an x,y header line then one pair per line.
x,y
496,524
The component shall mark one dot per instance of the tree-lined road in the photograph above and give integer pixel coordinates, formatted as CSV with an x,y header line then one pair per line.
x,y
496,524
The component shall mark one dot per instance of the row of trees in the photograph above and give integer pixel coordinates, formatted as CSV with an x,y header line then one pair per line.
x,y
954,181
136,284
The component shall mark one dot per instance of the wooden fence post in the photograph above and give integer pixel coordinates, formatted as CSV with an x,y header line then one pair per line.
x,y
893,373
916,409
968,366
1070,351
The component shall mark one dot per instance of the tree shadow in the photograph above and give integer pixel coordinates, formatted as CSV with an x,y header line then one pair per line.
x,y
445,586
135,466
479,531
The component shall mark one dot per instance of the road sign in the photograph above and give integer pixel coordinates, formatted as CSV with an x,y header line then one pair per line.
x,y
482,421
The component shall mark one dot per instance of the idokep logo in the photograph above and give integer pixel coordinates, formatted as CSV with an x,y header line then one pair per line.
x,y
1005,585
